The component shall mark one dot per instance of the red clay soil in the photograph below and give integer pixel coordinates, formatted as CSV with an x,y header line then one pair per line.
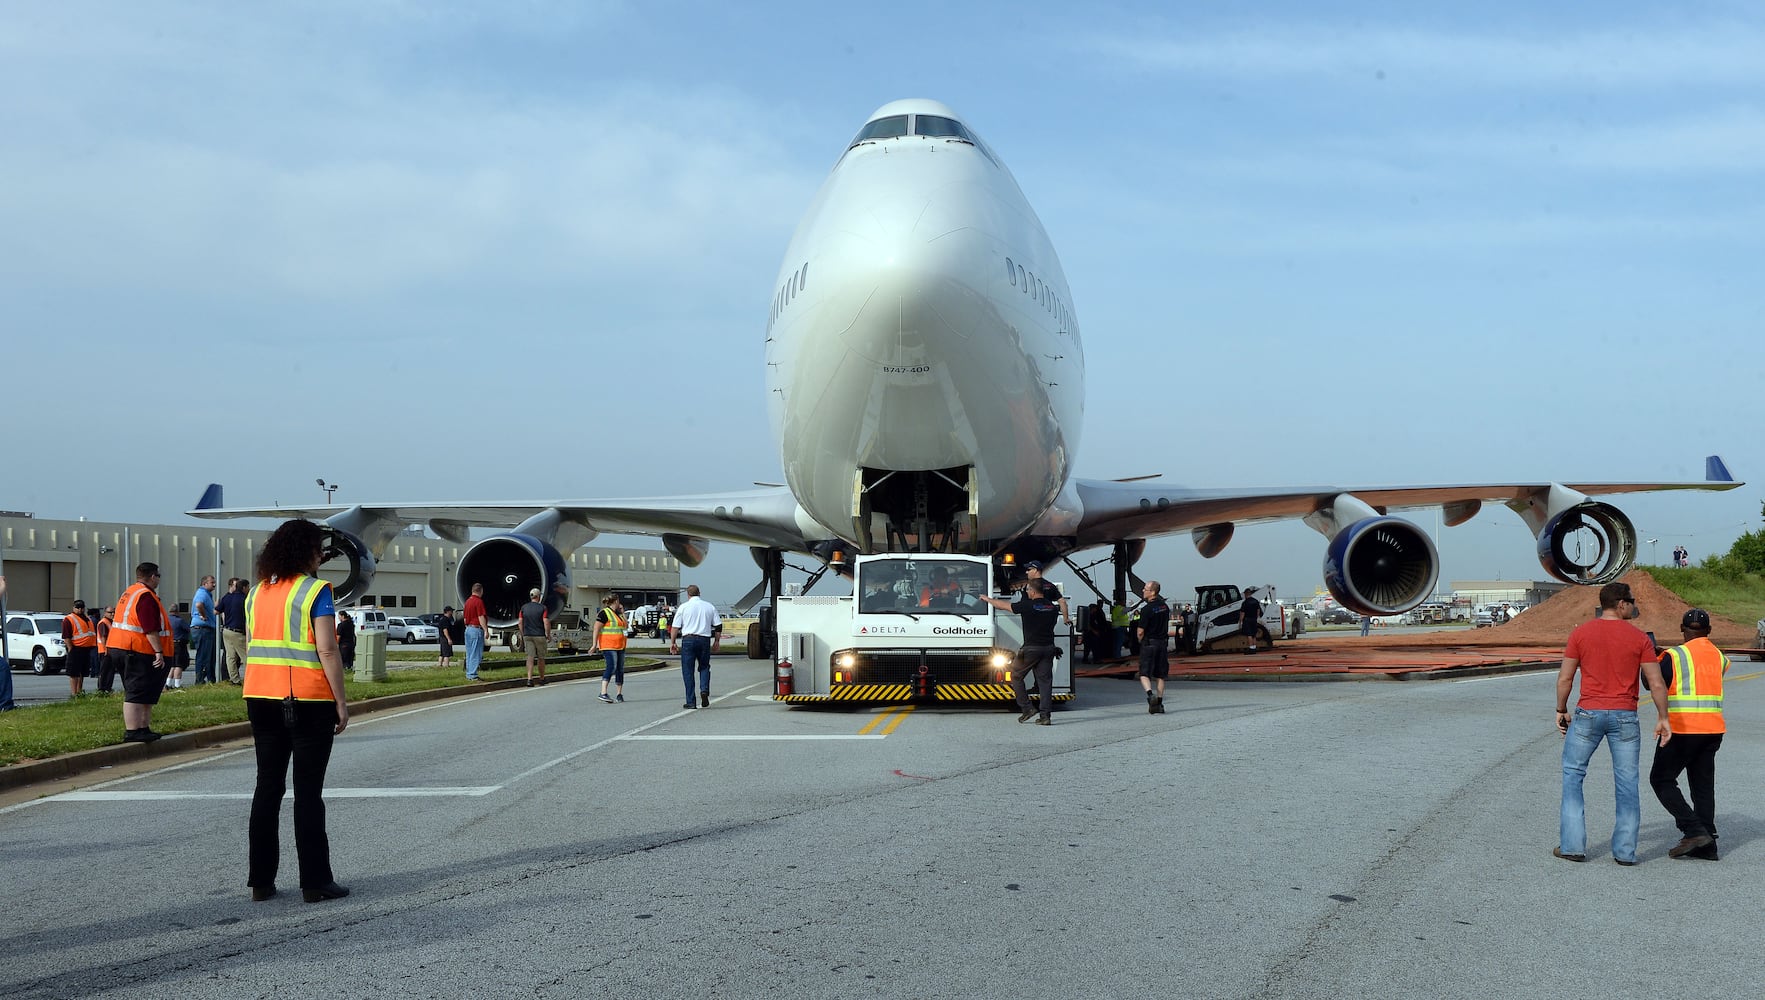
x,y
1549,623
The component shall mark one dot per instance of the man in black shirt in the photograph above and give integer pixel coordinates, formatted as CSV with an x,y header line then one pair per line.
x,y
1039,613
1250,619
1154,632
231,608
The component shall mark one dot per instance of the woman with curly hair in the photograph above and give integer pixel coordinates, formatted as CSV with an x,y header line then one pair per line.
x,y
294,699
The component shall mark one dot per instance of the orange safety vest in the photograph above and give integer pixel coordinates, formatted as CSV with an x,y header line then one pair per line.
x,y
83,634
1694,692
126,632
612,626
281,656
102,630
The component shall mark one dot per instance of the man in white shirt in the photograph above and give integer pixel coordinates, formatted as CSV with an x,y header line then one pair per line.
x,y
695,632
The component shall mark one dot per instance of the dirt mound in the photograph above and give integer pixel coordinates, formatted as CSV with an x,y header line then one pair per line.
x,y
1550,622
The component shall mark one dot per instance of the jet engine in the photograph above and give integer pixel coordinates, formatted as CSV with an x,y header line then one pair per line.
x,y
510,567
1591,543
1381,566
359,570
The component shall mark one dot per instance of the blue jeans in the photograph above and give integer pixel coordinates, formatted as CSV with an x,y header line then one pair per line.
x,y
615,666
204,637
695,649
474,651
1623,735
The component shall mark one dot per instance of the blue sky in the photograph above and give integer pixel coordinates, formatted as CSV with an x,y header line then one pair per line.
x,y
463,251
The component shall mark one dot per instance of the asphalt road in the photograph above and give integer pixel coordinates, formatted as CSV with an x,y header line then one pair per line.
x,y
1321,839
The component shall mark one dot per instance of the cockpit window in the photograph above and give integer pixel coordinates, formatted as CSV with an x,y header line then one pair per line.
x,y
938,126
891,127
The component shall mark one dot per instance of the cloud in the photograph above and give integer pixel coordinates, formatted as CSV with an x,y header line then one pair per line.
x,y
1712,54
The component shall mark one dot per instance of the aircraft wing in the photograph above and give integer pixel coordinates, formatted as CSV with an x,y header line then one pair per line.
x,y
1115,511
767,516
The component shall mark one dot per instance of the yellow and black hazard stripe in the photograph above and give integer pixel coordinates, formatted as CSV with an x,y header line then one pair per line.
x,y
901,692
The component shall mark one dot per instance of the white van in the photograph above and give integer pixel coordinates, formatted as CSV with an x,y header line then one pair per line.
x,y
367,619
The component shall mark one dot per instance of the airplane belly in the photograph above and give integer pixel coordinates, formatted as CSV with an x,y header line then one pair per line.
x,y
927,374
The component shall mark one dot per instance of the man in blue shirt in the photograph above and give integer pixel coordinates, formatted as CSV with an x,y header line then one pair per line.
x,y
202,624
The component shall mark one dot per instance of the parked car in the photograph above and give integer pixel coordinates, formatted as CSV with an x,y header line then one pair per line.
x,y
409,630
1338,616
367,619
34,637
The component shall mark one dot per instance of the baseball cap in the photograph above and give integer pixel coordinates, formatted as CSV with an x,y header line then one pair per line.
x,y
1032,564
1696,618
534,593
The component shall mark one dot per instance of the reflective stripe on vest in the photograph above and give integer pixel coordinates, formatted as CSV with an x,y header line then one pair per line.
x,y
1694,694
281,656
82,629
613,631
126,631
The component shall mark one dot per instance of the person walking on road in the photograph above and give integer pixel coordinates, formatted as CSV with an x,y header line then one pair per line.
x,y
142,634
81,640
1154,636
1693,672
535,630
609,639
1038,612
477,627
294,698
1608,652
695,633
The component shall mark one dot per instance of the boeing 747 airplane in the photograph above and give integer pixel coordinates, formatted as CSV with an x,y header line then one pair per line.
x,y
925,368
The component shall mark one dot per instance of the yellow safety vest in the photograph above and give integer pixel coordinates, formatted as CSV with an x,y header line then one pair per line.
x,y
281,656
1694,691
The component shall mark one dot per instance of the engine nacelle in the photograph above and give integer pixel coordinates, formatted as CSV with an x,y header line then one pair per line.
x,y
1591,543
510,567
1381,566
358,571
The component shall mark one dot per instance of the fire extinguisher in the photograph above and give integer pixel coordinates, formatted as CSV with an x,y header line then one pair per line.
x,y
784,677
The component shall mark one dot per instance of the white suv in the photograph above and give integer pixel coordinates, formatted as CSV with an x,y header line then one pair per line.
x,y
35,637
412,629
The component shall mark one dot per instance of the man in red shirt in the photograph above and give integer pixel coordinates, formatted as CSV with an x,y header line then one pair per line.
x,y
477,628
1608,652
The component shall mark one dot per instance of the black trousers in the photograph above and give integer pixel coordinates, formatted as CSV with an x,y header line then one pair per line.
x,y
308,743
1037,660
1695,754
109,666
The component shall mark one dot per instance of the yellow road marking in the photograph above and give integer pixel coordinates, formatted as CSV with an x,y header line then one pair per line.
x,y
890,716
1747,677
900,716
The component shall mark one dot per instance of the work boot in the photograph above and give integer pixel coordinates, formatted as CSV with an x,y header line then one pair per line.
x,y
1151,703
1044,720
1688,845
1159,707
1028,713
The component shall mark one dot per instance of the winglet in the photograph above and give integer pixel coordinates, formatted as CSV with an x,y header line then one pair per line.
x,y
1716,471
211,498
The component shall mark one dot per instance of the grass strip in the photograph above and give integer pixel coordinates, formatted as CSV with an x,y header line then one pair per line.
x,y
38,731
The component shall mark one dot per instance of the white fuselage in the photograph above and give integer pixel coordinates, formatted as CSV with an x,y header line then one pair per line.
x,y
902,339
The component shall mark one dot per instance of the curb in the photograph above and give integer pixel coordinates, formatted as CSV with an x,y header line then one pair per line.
x,y
79,762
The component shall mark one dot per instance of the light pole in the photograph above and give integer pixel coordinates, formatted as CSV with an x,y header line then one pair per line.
x,y
329,489
1652,542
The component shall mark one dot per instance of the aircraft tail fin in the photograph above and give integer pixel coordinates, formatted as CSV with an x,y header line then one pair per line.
x,y
211,497
1716,470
